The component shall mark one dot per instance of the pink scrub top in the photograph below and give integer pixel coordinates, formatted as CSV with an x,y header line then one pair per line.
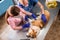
x,y
14,21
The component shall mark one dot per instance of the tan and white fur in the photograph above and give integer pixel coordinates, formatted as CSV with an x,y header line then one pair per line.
x,y
36,25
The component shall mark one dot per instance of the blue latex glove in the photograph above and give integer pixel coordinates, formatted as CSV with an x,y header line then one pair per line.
x,y
27,25
21,5
34,16
43,18
26,18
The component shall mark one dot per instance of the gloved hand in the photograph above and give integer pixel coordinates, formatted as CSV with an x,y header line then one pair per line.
x,y
43,18
27,25
26,18
21,5
34,16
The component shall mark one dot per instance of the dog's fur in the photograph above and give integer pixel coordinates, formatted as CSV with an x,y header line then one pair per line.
x,y
36,25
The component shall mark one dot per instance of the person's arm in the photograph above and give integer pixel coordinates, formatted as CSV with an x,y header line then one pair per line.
x,y
28,13
25,12
41,6
13,26
43,17
17,28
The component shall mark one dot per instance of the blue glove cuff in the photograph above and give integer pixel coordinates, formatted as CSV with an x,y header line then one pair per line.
x,y
27,25
43,18
26,18
34,16
21,5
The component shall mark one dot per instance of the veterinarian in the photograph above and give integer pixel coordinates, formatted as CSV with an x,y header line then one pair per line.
x,y
16,18
28,6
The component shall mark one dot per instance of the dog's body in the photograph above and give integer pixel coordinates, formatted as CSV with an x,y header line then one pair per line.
x,y
36,25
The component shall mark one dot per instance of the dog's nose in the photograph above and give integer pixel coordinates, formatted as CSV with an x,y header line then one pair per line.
x,y
28,36
32,37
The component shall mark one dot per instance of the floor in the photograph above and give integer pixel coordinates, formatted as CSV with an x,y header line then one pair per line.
x,y
54,31
2,24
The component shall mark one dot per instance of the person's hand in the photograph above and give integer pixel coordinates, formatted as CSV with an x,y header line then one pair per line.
x,y
34,16
43,17
27,25
26,18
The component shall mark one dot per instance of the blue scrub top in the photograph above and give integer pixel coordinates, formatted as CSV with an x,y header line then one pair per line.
x,y
32,3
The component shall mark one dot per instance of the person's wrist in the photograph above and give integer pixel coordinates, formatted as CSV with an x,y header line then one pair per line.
x,y
34,16
21,27
27,25
42,12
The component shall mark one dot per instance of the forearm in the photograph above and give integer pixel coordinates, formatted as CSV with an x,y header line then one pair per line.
x,y
41,6
25,12
17,28
29,14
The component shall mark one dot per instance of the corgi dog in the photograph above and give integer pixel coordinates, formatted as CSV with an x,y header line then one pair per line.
x,y
37,24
